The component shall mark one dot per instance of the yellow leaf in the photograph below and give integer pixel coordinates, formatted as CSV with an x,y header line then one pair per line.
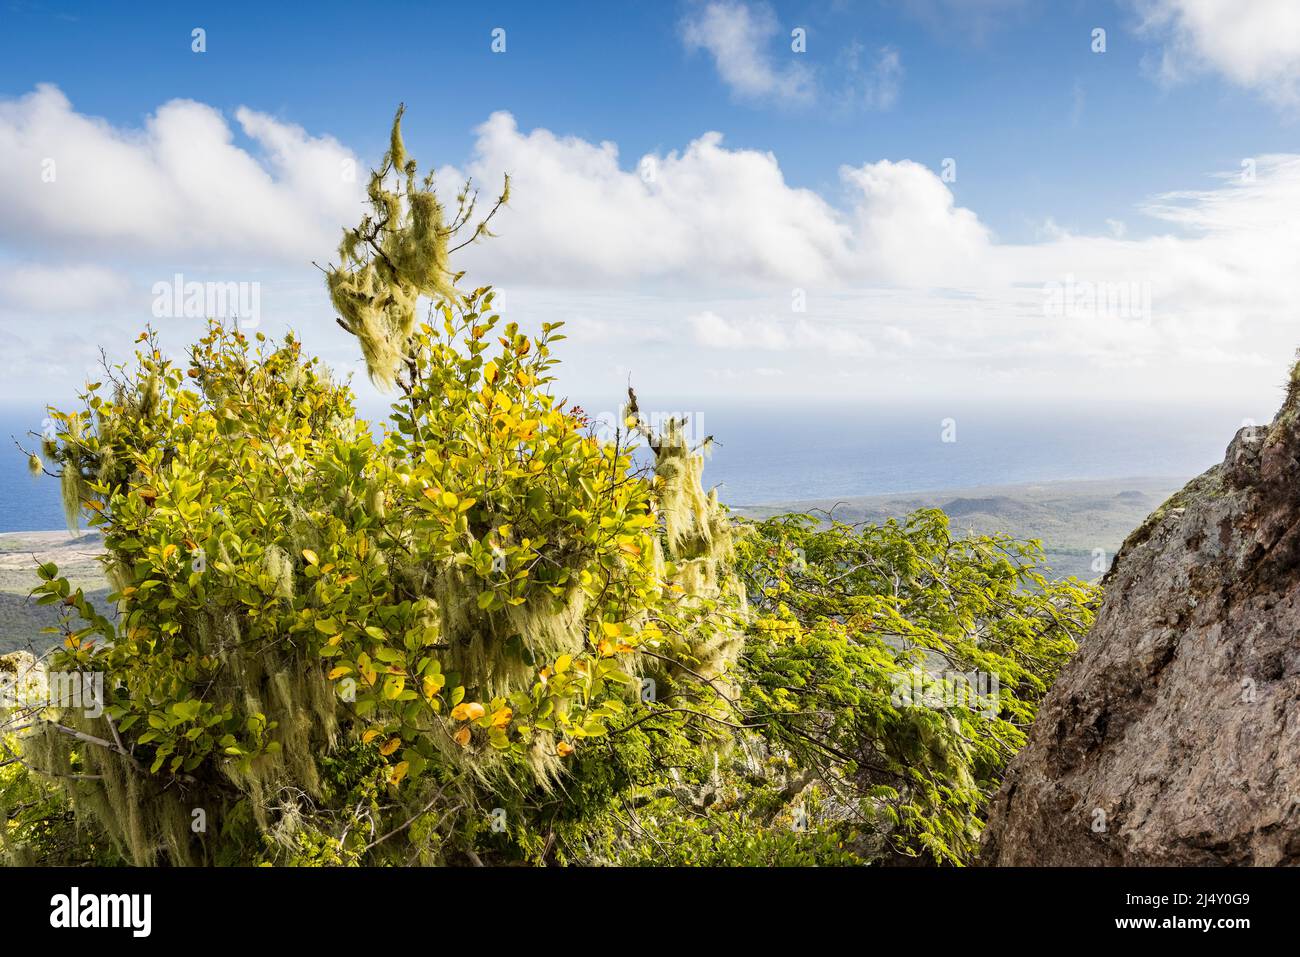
x,y
339,672
169,550
449,499
399,772
564,749
490,372
468,711
311,556
501,717
462,737
612,629
391,745
562,664
369,736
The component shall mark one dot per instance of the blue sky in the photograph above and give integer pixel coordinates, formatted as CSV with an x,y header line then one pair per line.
x,y
1062,158
1041,126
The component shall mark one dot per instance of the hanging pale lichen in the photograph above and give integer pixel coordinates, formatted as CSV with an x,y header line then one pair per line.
x,y
74,492
398,253
698,544
278,568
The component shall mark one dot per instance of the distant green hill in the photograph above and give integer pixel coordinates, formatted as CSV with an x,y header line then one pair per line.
x,y
1071,519
21,620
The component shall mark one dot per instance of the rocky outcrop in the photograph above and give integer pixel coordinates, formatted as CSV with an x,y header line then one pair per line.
x,y
1173,737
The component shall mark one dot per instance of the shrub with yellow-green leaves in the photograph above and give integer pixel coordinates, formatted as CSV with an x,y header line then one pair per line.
x,y
340,646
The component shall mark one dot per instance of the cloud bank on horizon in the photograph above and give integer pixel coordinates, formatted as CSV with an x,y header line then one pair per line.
x,y
701,266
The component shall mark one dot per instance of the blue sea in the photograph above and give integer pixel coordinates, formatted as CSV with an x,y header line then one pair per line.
x,y
783,454
789,452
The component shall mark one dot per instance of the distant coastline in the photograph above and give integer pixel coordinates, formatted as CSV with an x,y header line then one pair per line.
x,y
1081,523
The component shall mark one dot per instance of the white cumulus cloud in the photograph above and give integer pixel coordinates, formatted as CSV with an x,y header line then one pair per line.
x,y
180,183
1253,43
711,214
738,37
577,215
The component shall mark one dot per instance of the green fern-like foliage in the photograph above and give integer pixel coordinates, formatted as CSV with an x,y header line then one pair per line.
x,y
904,664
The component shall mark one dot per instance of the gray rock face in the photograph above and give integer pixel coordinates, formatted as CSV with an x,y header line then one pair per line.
x,y
1174,736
